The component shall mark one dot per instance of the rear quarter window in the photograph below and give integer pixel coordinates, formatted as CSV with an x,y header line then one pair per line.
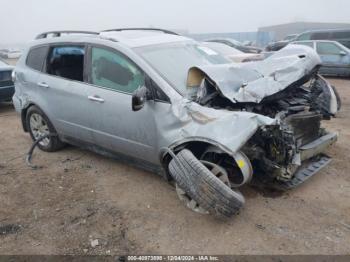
x,y
36,57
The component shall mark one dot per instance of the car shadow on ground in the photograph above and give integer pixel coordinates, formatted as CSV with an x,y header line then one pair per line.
x,y
6,107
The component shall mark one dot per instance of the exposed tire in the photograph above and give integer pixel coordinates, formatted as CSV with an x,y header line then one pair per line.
x,y
337,96
52,143
202,186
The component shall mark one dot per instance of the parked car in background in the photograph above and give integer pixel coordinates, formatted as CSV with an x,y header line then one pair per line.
x,y
10,53
340,35
335,57
276,46
232,53
7,88
236,44
290,37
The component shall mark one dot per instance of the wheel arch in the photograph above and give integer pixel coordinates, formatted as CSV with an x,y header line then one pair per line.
x,y
24,115
198,145
24,112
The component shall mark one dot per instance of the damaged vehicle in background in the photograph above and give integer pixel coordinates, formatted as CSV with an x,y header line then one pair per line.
x,y
276,46
167,104
233,54
237,45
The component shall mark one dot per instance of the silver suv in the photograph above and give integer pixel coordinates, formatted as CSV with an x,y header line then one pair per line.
x,y
168,104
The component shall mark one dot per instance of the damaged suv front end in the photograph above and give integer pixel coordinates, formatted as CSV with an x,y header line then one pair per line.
x,y
260,122
286,88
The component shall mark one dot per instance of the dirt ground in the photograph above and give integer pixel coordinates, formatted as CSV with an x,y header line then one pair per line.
x,y
78,196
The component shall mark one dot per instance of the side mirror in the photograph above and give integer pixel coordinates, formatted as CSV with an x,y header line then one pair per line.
x,y
139,98
342,53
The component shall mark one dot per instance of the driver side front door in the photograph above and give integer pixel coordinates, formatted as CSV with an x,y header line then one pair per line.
x,y
112,80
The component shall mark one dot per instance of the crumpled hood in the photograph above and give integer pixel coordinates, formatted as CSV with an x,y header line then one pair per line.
x,y
254,81
228,128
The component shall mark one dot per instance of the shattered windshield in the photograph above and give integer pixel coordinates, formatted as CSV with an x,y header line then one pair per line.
x,y
172,61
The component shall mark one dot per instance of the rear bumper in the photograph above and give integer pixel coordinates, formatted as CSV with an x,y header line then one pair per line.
x,y
317,146
6,93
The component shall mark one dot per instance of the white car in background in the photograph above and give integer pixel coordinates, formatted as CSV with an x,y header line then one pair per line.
x,y
10,53
231,53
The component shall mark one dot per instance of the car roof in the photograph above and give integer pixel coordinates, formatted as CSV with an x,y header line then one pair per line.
x,y
225,39
131,38
321,41
326,31
327,41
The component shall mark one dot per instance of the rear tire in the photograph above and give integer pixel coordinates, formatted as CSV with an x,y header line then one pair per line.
x,y
202,186
38,124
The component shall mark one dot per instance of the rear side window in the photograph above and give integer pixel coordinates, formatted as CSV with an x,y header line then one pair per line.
x,y
36,57
341,35
67,62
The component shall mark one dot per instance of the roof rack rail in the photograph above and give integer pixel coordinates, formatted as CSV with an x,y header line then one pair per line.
x,y
141,29
58,33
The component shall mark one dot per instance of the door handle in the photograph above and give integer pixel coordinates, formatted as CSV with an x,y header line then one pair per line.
x,y
96,99
43,84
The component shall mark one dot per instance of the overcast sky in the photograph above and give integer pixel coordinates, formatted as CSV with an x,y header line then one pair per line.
x,y
21,20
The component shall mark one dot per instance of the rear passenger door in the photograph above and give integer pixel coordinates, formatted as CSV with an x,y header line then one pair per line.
x,y
63,89
335,60
113,78
27,76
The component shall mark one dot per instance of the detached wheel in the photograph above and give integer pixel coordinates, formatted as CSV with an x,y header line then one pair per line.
x,y
39,125
204,186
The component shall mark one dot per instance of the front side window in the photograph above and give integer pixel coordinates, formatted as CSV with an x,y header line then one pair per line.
x,y
67,62
328,49
112,70
36,57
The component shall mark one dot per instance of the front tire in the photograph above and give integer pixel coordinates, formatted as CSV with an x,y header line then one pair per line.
x,y
201,185
39,125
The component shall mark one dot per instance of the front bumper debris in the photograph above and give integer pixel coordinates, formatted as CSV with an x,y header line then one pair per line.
x,y
306,171
317,146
